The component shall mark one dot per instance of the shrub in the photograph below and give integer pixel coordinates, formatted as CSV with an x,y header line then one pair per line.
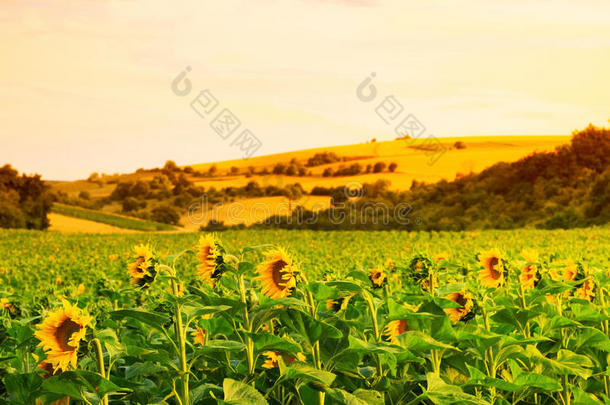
x,y
379,167
165,214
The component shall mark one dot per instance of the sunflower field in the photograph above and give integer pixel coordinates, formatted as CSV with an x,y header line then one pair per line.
x,y
281,317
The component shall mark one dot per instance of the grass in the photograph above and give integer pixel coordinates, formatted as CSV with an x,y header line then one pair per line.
x,y
110,219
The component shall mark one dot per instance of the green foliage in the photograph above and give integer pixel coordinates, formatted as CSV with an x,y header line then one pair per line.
x,y
546,344
24,200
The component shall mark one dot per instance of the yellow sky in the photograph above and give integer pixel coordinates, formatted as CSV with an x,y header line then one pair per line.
x,y
86,84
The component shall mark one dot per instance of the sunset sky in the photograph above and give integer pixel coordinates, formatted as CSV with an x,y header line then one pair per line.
x,y
86,84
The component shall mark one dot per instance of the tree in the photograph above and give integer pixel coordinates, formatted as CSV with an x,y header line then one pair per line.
x,y
170,165
392,167
327,172
212,170
84,195
234,170
379,167
130,204
165,214
293,192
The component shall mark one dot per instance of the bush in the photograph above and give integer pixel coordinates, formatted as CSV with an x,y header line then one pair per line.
x,y
459,145
379,167
165,214
84,195
393,166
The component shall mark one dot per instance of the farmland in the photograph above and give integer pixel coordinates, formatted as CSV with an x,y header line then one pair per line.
x,y
512,317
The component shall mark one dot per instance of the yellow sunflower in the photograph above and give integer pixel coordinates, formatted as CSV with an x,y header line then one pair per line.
x,y
466,305
492,274
276,274
529,275
144,270
273,358
210,256
425,283
6,304
199,336
377,277
337,304
586,291
60,334
569,271
394,329
441,256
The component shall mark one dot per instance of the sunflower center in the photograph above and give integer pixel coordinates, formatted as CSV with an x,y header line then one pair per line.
x,y
461,300
278,272
493,263
64,333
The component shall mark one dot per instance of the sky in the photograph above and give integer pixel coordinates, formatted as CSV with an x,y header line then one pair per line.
x,y
87,84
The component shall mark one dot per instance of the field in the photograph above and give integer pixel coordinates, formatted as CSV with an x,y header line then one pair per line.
x,y
117,221
504,317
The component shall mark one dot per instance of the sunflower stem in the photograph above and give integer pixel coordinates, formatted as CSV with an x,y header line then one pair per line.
x,y
100,364
315,349
604,325
373,313
181,336
247,325
489,355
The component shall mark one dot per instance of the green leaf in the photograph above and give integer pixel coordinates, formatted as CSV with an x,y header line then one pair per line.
x,y
358,397
584,398
238,393
149,318
23,388
440,392
478,378
143,370
419,342
307,327
308,373
266,341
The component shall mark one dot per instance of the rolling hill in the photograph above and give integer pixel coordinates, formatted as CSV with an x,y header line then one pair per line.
x,y
414,163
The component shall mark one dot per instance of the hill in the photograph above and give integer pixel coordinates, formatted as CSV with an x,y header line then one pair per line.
x,y
165,194
565,188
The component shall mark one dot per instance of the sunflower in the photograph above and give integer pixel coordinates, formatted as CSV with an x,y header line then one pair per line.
x,y
6,304
492,274
441,256
425,283
529,276
394,329
570,271
466,306
337,304
273,359
211,256
586,291
378,278
389,265
60,334
144,270
276,274
199,336
420,268
80,289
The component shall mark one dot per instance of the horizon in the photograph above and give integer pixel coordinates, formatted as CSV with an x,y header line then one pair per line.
x,y
88,86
